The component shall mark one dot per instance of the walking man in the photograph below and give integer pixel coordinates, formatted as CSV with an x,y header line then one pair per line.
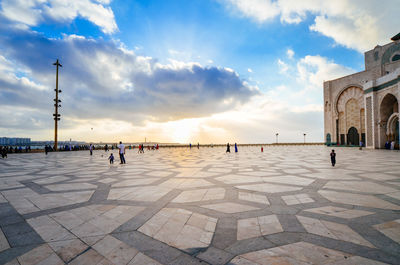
x,y
333,158
121,148
91,149
228,148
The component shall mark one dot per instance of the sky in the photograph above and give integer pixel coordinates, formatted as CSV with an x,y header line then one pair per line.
x,y
181,71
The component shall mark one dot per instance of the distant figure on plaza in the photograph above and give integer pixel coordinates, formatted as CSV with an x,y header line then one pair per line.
x,y
46,149
387,145
121,148
106,148
91,149
111,158
198,145
3,152
392,145
190,145
333,158
236,149
228,148
262,149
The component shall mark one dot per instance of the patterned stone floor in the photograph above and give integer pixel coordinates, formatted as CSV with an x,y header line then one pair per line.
x,y
286,205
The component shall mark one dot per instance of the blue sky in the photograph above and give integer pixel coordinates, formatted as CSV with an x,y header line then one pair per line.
x,y
181,71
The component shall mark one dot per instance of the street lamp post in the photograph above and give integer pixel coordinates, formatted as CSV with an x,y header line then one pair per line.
x,y
56,106
304,137
277,134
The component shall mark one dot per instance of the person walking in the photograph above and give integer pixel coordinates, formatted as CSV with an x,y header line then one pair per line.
x,y
228,148
91,149
333,158
111,158
198,145
121,148
46,149
236,149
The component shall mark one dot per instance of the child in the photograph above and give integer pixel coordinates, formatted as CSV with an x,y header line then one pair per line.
x,y
111,158
333,158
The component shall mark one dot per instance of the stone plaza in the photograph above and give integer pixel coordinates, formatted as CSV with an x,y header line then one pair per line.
x,y
286,205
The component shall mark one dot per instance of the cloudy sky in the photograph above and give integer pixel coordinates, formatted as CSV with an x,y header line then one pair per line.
x,y
208,71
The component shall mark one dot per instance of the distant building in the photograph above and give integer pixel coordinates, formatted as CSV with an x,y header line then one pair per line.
x,y
14,141
365,106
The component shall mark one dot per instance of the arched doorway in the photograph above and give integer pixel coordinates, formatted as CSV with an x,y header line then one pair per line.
x,y
328,139
353,137
389,117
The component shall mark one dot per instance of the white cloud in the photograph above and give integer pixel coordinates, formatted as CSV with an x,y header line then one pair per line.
x,y
290,53
356,24
260,10
314,70
34,12
249,70
283,67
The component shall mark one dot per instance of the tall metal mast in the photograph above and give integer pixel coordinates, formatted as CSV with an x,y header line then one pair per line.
x,y
56,106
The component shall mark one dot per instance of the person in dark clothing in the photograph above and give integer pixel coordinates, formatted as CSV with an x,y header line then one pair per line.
x,y
333,158
46,149
3,152
111,158
236,149
228,148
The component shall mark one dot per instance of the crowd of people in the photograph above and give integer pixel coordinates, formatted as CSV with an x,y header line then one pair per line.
x,y
4,150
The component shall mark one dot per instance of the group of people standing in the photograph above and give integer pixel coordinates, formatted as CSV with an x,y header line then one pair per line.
x,y
228,148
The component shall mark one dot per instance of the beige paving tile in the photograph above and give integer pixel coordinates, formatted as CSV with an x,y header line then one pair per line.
x,y
68,249
200,195
49,230
229,207
258,226
358,199
72,186
147,193
395,195
268,188
237,179
132,182
253,197
359,186
115,250
177,183
141,259
390,229
36,255
298,253
339,212
180,228
297,199
291,180
89,257
332,230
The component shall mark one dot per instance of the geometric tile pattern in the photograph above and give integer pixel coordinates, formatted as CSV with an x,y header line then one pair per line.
x,y
201,206
180,228
339,212
390,229
297,199
258,226
300,253
332,230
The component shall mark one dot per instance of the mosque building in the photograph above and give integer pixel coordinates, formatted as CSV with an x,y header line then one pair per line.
x,y
364,107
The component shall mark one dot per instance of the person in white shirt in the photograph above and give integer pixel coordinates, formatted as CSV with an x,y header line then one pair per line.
x,y
121,148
